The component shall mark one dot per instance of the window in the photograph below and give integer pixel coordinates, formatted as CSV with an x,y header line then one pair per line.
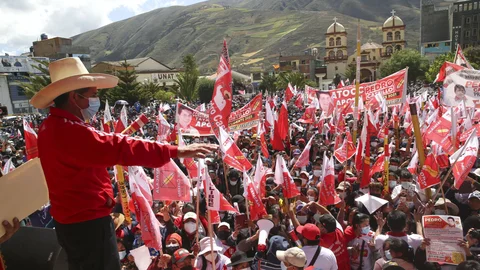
x,y
389,36
398,48
448,44
475,18
340,54
475,5
474,32
468,20
303,62
331,55
338,42
389,50
455,8
398,36
467,33
331,42
364,58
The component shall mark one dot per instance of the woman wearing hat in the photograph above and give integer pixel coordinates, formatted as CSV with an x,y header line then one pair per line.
x,y
75,158
209,253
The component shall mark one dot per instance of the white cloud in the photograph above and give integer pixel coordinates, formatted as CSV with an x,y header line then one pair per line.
x,y
24,20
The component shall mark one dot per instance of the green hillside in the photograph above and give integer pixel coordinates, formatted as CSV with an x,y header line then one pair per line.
x,y
259,30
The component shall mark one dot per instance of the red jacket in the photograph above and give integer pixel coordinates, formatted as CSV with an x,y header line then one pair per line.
x,y
74,158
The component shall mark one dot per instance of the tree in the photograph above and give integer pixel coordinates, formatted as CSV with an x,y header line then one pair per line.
x,y
351,72
205,90
127,89
416,63
188,80
434,68
294,78
164,96
473,56
268,83
36,82
147,91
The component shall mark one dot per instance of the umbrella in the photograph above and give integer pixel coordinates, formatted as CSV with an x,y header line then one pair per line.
x,y
121,102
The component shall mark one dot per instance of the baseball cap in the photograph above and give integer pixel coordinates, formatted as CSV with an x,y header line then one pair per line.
x,y
293,256
297,152
190,215
309,231
226,224
327,221
474,195
301,141
180,255
344,185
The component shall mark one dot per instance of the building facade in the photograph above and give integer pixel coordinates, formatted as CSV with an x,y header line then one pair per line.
x,y
58,48
147,70
435,29
465,24
336,55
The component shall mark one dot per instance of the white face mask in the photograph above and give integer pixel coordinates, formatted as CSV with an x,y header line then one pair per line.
x,y
92,109
366,230
388,256
440,212
209,257
317,173
122,254
197,140
311,198
392,184
233,183
190,227
406,185
302,219
373,144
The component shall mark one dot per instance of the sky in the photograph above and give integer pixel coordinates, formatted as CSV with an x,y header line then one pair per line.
x,y
25,20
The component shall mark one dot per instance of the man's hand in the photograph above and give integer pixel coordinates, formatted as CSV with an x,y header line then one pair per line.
x,y
196,150
9,229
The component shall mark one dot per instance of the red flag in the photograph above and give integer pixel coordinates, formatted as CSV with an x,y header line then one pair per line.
x,y
137,125
430,175
231,153
283,177
309,116
222,94
440,156
257,208
439,132
260,179
412,166
379,165
341,84
328,194
361,144
261,137
289,93
299,101
276,141
170,183
8,167
188,162
30,140
148,222
447,69
269,117
163,128
341,152
304,157
460,58
122,123
467,155
282,123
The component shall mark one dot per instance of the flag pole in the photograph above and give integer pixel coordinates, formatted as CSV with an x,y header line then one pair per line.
x,y
419,142
210,232
386,179
225,170
357,85
198,213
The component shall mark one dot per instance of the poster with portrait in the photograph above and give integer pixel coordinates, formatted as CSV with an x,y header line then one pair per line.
x,y
393,88
462,86
444,233
246,117
191,122
310,95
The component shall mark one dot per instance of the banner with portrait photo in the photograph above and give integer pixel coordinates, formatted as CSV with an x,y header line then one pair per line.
x,y
310,94
191,122
246,117
393,88
463,85
444,233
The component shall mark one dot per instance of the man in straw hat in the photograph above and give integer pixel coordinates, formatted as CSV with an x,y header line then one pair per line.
x,y
75,156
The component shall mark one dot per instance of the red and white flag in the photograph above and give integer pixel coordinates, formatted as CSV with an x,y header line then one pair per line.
x,y
222,94
201,108
269,117
215,199
466,157
430,175
328,194
8,167
170,183
282,124
107,118
304,157
257,208
148,222
289,93
341,84
261,137
163,128
30,140
308,116
260,178
299,101
412,166
378,166
231,153
283,178
347,150
122,123
137,125
460,58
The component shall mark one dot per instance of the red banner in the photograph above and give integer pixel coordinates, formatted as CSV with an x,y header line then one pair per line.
x,y
170,183
393,88
30,140
439,132
246,117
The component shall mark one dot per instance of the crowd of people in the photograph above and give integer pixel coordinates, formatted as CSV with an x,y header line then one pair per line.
x,y
305,234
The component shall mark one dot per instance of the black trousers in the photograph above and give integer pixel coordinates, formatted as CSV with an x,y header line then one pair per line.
x,y
90,245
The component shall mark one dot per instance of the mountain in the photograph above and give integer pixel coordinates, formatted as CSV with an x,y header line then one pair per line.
x,y
257,30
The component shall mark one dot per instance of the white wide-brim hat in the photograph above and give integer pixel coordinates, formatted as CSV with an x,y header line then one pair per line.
x,y
206,246
70,74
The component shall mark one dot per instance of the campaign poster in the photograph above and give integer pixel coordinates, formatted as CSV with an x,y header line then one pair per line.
x,y
393,88
246,117
192,122
444,233
310,94
462,86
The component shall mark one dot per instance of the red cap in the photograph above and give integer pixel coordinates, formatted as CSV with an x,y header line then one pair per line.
x,y
180,255
175,236
301,140
309,231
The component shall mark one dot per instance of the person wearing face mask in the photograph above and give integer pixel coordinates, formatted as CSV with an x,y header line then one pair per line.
x,y
208,255
472,220
173,243
440,207
399,253
406,189
240,261
235,185
359,237
227,238
292,259
333,238
123,255
317,256
312,194
187,231
80,190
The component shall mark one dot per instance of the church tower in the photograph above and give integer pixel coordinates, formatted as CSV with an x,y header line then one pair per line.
x,y
393,35
336,56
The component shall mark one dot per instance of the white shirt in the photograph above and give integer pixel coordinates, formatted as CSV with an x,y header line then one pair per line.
x,y
220,264
325,261
413,240
368,254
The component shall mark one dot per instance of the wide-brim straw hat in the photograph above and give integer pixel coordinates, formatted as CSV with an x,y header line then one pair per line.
x,y
70,74
450,205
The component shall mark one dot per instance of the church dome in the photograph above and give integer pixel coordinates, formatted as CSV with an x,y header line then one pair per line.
x,y
335,28
393,21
